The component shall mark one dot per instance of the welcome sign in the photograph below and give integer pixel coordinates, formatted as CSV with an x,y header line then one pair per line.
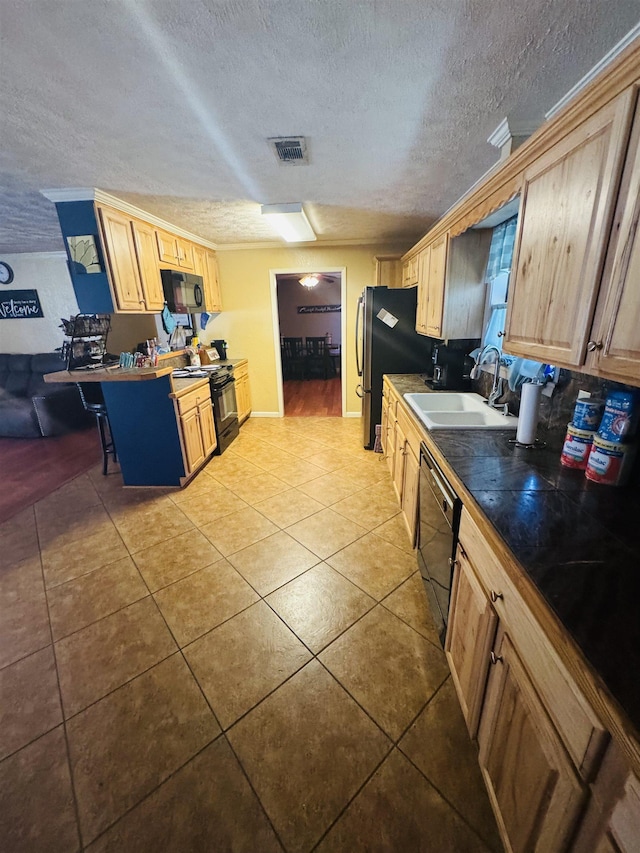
x,y
20,305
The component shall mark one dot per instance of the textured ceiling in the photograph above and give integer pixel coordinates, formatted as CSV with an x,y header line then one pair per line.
x,y
168,103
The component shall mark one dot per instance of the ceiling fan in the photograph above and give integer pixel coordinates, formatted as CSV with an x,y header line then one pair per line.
x,y
310,280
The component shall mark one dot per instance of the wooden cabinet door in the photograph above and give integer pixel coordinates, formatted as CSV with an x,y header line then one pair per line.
x,y
436,285
184,251
532,785
199,264
423,291
192,440
400,454
122,261
207,427
167,248
243,392
145,240
384,422
567,204
213,298
470,635
410,493
616,330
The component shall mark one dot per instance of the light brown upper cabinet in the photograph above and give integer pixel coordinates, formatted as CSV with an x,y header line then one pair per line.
x,y
145,240
122,262
206,265
174,251
451,292
613,349
567,204
410,271
388,271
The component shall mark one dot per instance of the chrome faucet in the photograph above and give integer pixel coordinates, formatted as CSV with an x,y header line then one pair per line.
x,y
496,388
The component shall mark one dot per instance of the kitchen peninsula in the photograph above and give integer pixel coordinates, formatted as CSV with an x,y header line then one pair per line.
x,y
163,427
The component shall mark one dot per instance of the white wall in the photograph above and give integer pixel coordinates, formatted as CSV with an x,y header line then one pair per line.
x,y
47,273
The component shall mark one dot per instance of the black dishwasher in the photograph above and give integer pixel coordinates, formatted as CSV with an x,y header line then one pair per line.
x,y
439,520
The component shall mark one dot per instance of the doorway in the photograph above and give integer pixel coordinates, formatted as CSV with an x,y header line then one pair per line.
x,y
308,324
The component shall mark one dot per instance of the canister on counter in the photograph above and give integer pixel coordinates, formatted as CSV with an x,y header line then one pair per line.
x,y
620,415
610,462
577,446
587,413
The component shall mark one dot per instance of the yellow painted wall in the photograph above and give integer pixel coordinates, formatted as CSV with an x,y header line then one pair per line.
x,y
246,322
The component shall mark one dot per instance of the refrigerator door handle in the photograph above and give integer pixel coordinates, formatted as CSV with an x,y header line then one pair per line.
x,y
360,391
358,315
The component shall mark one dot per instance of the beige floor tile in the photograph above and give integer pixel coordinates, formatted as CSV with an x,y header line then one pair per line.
x,y
203,600
398,810
288,507
330,459
319,605
124,746
365,475
306,749
296,445
74,559
29,700
200,485
24,620
58,526
297,471
368,507
329,488
395,531
19,539
409,603
37,811
240,662
387,667
267,456
94,661
217,503
146,527
259,488
326,532
239,530
272,562
374,565
207,805
175,558
229,469
78,603
438,741
78,494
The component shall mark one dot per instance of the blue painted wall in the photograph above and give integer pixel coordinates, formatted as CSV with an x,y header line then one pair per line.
x,y
78,218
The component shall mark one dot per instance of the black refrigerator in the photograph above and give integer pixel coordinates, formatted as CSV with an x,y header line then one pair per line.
x,y
386,342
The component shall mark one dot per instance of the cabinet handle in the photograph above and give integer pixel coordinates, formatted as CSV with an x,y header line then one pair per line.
x,y
453,563
501,334
592,346
495,658
495,595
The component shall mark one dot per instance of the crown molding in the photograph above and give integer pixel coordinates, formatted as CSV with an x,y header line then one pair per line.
x,y
501,135
318,244
607,59
93,194
39,256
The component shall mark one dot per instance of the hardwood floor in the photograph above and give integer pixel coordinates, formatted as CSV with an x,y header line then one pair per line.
x,y
31,468
321,397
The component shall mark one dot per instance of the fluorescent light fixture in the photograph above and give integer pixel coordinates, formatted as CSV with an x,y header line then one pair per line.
x,y
310,280
290,222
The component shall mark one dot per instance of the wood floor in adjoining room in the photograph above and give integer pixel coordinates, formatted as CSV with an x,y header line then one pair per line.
x,y
32,468
319,397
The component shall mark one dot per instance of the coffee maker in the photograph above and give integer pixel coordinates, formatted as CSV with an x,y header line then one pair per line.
x,y
451,369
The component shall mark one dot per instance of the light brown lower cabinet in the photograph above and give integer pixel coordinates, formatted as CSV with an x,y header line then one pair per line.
x,y
243,391
540,742
197,428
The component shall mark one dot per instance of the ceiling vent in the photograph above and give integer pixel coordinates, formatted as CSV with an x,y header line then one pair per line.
x,y
289,149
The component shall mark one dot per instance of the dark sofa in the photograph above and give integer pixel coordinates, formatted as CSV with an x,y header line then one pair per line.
x,y
29,407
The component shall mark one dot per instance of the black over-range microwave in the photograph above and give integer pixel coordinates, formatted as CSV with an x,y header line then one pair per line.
x,y
183,291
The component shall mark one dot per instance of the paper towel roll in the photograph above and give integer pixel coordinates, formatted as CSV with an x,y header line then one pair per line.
x,y
528,417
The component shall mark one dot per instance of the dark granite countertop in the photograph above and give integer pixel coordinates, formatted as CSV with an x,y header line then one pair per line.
x,y
579,542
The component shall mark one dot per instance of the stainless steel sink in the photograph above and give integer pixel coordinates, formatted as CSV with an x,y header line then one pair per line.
x,y
449,410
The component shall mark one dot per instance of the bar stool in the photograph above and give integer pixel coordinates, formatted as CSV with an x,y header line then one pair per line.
x,y
93,401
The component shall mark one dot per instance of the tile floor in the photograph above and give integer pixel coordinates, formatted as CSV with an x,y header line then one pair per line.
x,y
245,665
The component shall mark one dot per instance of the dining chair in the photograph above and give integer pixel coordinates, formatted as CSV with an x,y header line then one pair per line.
x,y
318,357
293,359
